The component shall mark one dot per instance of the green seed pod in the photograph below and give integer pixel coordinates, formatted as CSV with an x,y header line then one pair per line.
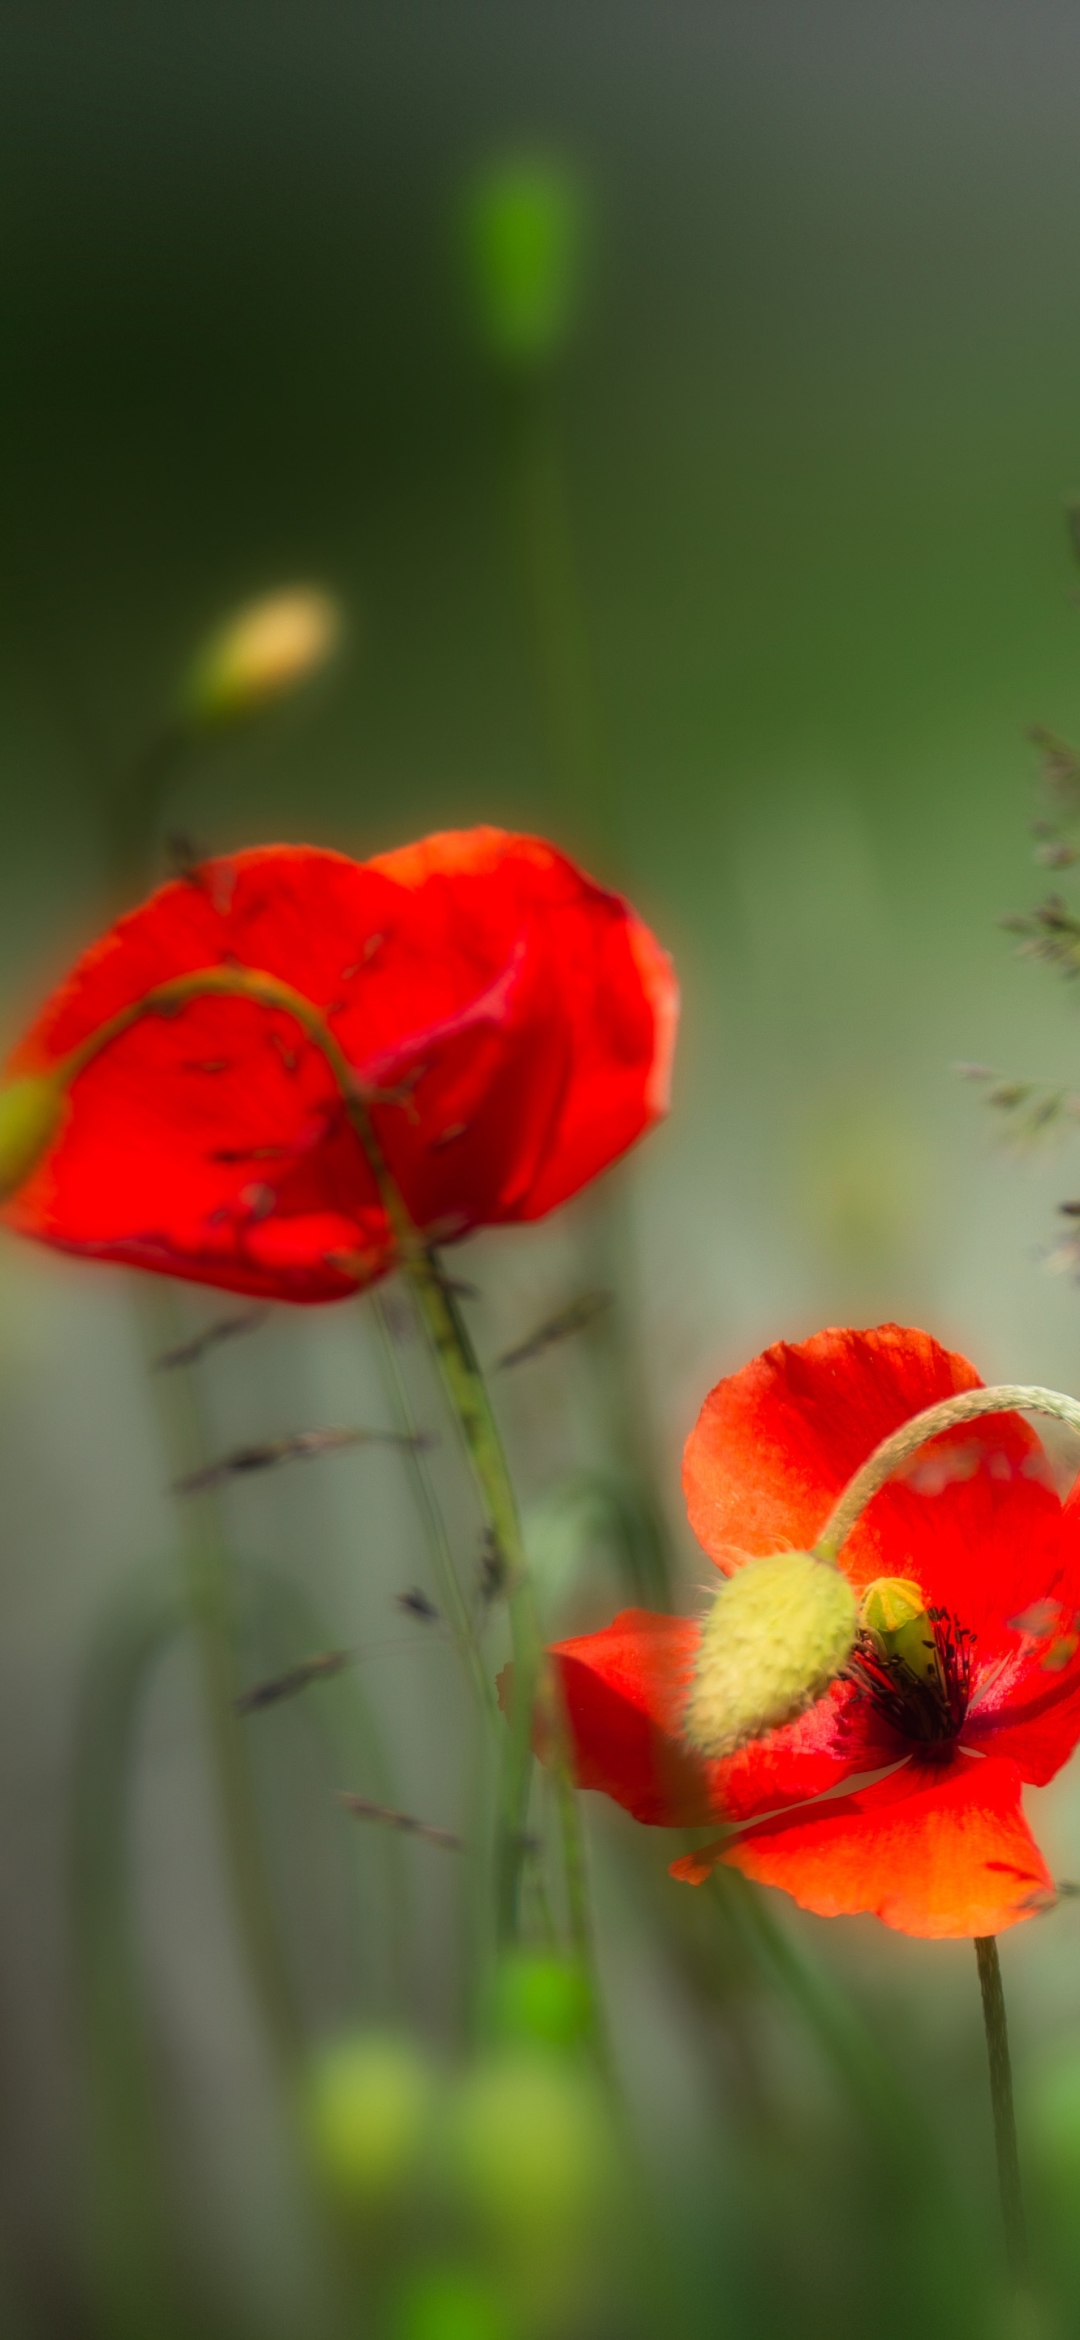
x,y
259,654
540,1998
777,1634
32,1112
368,2103
449,2303
523,233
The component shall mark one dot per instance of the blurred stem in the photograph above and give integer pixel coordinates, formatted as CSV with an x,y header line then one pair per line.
x,y
128,2238
135,807
467,1393
204,1559
454,1603
828,2014
564,657
1001,2099
584,768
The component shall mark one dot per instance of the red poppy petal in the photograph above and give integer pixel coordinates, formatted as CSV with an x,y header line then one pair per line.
x,y
972,1519
936,1851
1028,1707
516,1017
625,1690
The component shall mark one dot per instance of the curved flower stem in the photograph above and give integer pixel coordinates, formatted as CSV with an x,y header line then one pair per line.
x,y
1001,2098
898,1449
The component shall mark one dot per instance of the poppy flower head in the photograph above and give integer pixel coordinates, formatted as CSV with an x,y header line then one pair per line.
x,y
963,1681
508,1023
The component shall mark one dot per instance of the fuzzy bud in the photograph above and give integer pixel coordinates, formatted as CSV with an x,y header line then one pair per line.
x,y
262,651
777,1634
31,1116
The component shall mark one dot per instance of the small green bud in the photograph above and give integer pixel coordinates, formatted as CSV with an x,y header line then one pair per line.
x,y
32,1112
777,1634
544,1999
523,226
449,2303
368,2102
260,653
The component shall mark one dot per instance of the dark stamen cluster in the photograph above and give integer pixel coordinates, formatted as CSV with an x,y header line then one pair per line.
x,y
930,1704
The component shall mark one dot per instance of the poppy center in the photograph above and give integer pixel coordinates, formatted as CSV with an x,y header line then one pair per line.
x,y
915,1663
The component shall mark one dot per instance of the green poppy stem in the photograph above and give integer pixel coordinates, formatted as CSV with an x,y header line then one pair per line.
x,y
969,1405
455,1605
467,1393
1001,2098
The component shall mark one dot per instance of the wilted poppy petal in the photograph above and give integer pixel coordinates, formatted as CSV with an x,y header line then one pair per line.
x,y
933,1850
625,1690
512,1021
973,1519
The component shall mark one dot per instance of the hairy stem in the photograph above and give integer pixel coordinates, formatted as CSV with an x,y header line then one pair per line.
x,y
454,1603
893,1452
467,1393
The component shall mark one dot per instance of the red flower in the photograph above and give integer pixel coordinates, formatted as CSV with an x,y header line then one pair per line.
x,y
939,1846
514,1022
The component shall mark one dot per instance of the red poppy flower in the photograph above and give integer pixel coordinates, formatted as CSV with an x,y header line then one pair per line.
x,y
513,1022
939,1845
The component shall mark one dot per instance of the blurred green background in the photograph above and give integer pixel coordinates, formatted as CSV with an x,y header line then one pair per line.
x,y
818,425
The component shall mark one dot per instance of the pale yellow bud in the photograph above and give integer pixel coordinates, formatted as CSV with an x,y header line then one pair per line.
x,y
529,2145
777,1634
893,1613
263,651
369,2098
31,1115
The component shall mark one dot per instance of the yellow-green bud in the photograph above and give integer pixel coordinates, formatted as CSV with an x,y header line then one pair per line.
x,y
262,651
523,226
529,2145
893,1613
368,2102
777,1634
31,1115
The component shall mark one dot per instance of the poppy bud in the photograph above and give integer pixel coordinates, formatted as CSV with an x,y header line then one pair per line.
x,y
523,234
368,2101
530,2147
262,651
778,1633
893,1613
31,1115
